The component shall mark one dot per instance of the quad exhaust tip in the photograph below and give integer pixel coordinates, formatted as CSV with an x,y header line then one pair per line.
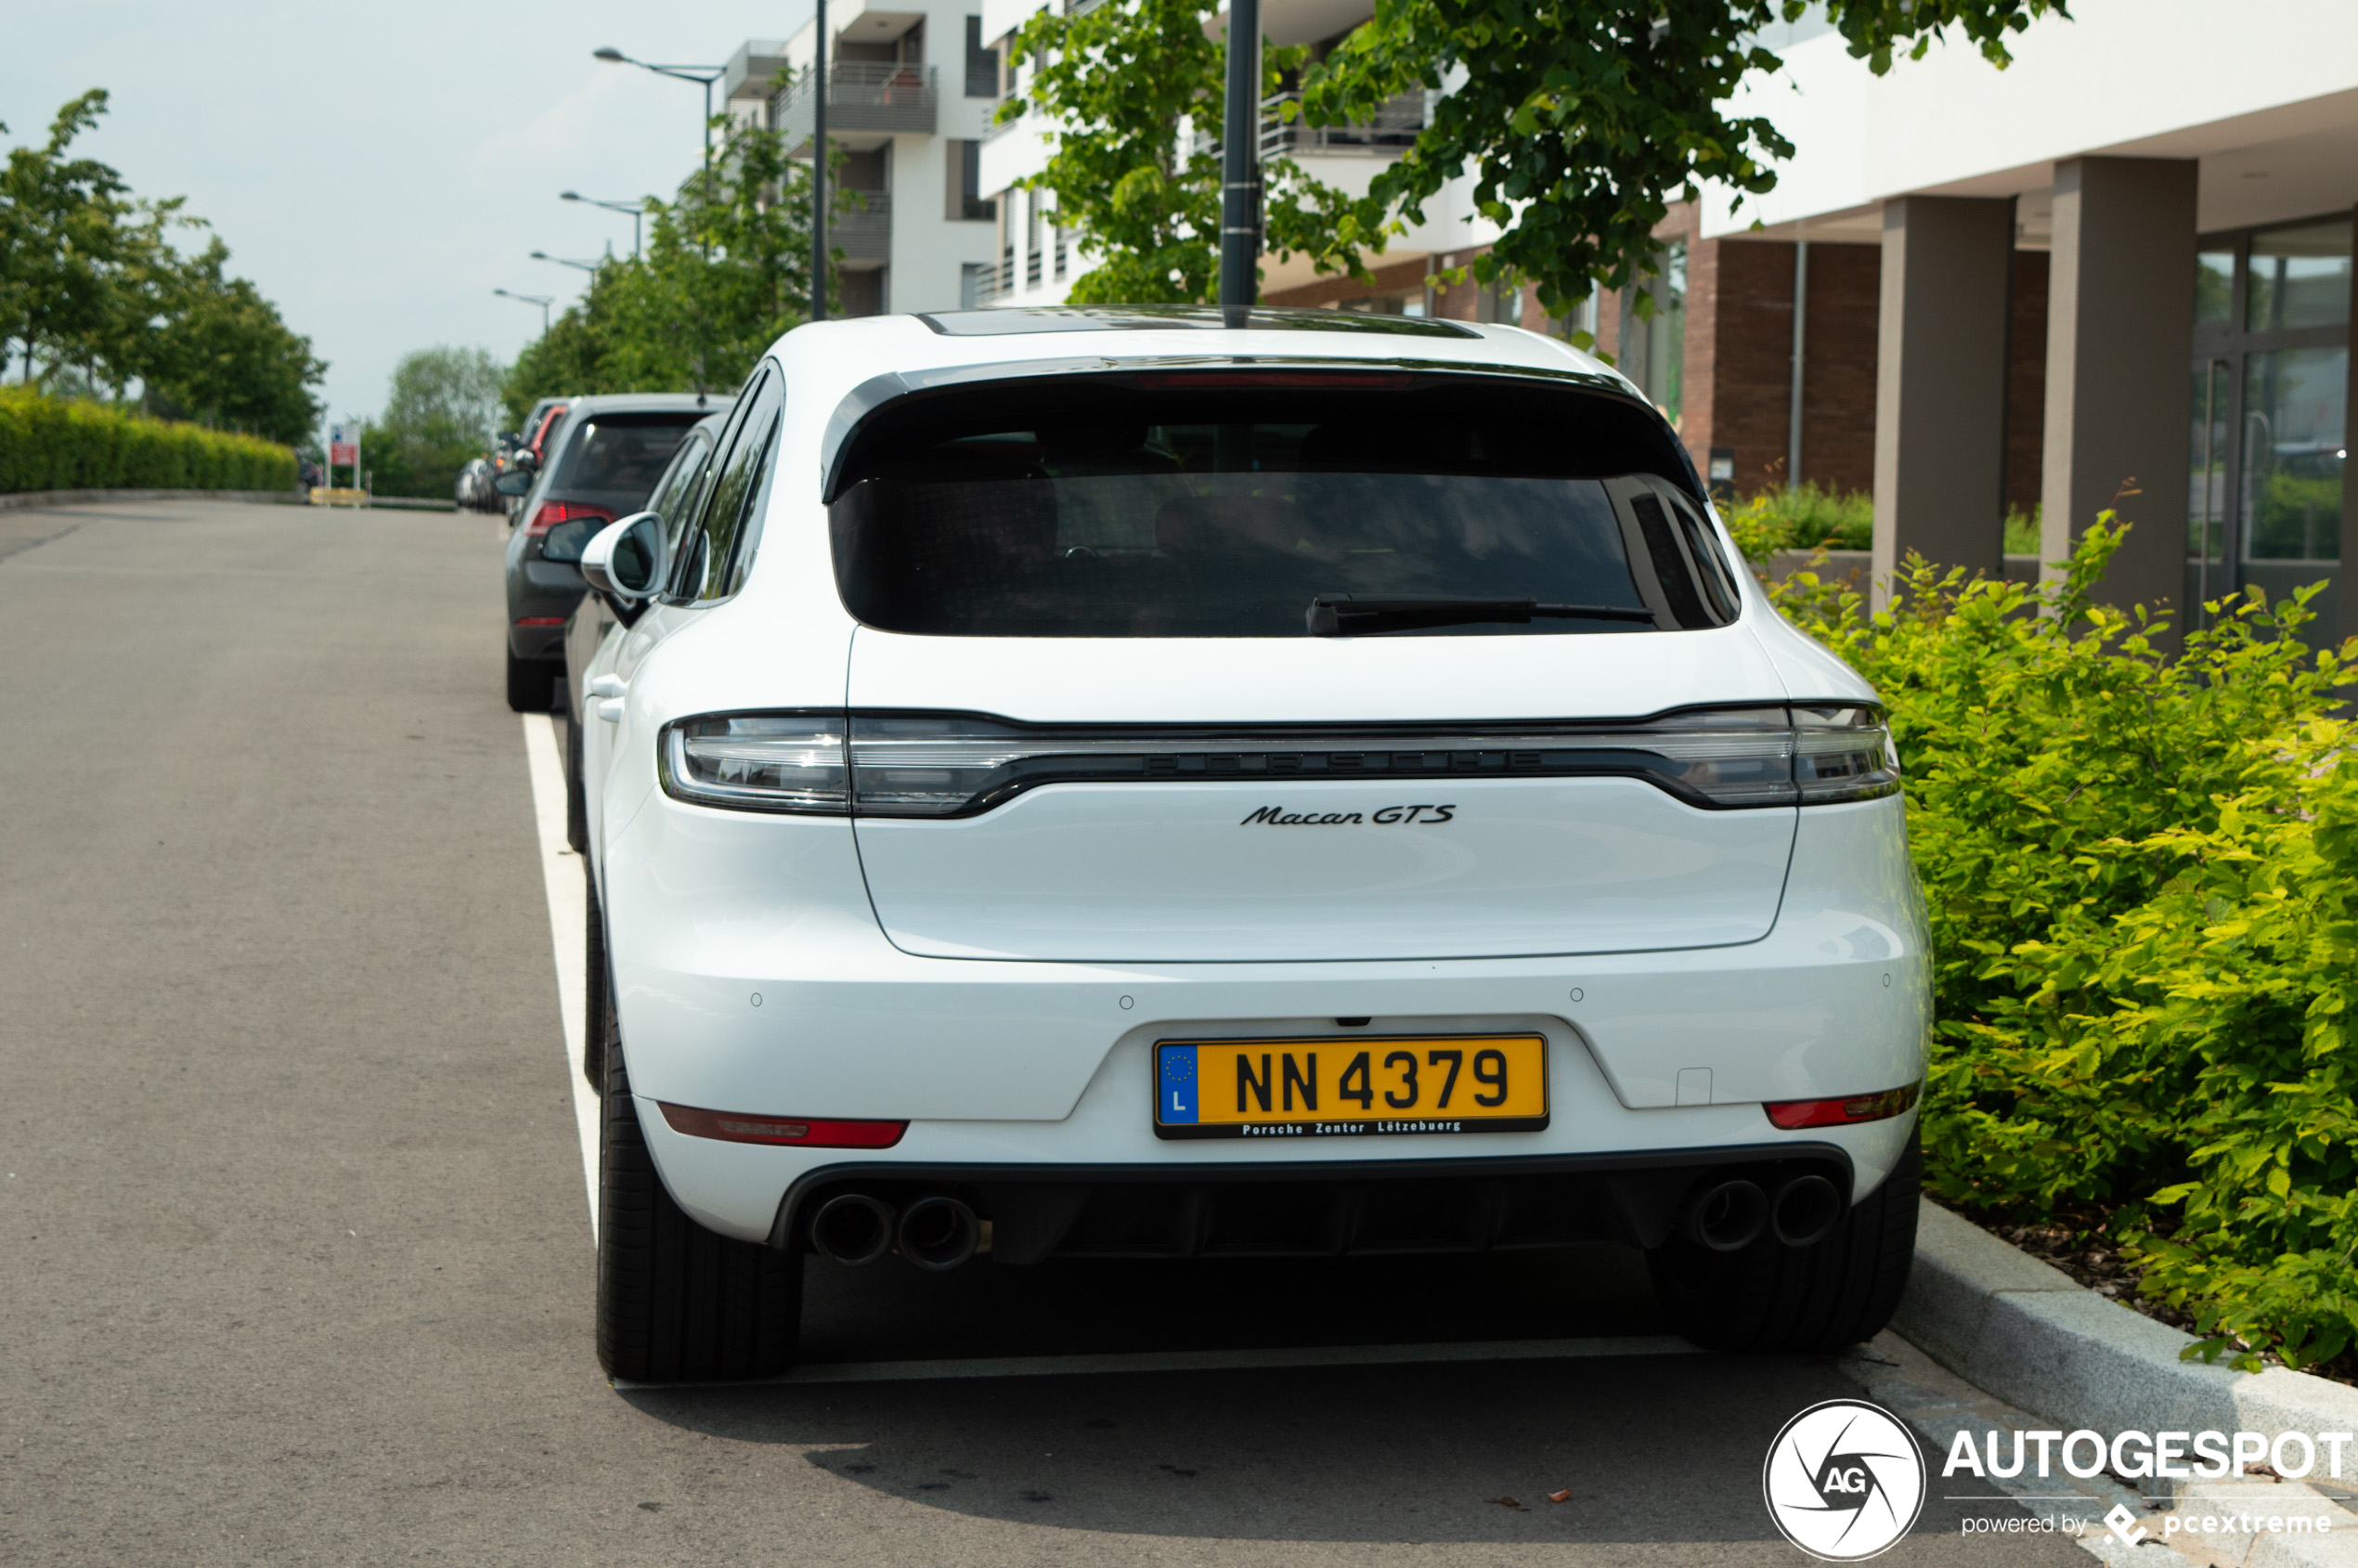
x,y
1806,1208
938,1233
852,1228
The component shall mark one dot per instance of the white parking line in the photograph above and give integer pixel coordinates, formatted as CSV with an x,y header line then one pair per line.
x,y
1217,1360
568,913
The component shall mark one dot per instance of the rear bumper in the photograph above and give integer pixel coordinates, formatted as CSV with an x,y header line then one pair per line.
x,y
1341,1208
751,976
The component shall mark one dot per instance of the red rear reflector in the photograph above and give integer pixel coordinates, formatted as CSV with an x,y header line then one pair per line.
x,y
541,620
805,1132
1844,1112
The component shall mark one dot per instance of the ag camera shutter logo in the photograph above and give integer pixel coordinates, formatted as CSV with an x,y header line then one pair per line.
x,y
1844,1481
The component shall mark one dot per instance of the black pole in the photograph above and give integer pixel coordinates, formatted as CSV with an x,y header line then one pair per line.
x,y
818,166
1240,166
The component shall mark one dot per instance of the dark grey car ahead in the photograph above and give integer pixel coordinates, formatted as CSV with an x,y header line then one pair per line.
x,y
603,460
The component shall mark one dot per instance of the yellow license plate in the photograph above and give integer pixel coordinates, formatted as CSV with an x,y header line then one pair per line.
x,y
1343,1086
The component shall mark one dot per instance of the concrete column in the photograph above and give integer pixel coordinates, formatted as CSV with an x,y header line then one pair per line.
x,y
2121,332
2347,595
1940,383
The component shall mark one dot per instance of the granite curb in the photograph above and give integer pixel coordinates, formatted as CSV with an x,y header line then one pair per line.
x,y
28,500
2028,1334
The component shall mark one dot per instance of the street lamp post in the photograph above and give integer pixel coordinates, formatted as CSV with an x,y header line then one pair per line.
x,y
1240,166
638,209
543,300
589,266
702,76
818,165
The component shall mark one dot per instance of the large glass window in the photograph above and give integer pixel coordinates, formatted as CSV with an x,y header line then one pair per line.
x,y
2295,407
2269,413
1666,333
2299,277
2214,287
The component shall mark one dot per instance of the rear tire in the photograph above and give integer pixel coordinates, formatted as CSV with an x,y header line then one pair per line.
x,y
676,1302
531,687
577,800
596,981
1819,1298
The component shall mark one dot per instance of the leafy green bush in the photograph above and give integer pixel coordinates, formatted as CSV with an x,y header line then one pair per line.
x,y
1801,517
2021,530
2143,878
60,443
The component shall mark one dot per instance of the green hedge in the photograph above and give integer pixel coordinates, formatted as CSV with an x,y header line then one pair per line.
x,y
62,444
2142,876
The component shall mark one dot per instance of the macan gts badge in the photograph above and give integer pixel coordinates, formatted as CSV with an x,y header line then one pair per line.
x,y
1278,816
934,914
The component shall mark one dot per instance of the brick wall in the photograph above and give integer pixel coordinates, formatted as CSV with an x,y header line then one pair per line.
x,y
1838,375
1739,372
1394,277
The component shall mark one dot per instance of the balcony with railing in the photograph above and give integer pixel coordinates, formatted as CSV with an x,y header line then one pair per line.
x,y
864,234
1391,132
863,96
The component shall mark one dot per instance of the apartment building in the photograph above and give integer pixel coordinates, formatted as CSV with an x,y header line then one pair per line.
x,y
909,93
1036,259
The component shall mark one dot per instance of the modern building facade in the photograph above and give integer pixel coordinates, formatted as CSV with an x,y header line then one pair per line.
x,y
909,92
2115,275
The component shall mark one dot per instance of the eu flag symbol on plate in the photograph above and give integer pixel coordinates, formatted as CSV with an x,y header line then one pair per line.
x,y
1175,1093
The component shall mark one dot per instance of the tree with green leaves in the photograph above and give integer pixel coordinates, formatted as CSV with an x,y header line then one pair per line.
x,y
439,414
1137,87
90,282
727,271
60,221
1579,119
1582,118
226,356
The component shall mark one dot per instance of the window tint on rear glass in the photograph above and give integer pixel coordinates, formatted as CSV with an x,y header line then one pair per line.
x,y
1114,510
710,567
619,457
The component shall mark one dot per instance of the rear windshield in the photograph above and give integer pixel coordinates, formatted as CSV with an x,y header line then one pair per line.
x,y
1080,509
617,458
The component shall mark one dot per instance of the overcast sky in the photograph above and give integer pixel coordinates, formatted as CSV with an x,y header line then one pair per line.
x,y
377,170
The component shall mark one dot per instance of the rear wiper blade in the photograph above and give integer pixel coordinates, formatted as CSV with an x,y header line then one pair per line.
x,y
1345,615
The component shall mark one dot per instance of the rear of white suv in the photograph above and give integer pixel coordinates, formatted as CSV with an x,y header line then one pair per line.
x,y
1101,784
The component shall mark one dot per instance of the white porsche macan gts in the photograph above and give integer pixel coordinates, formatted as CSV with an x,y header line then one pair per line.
x,y
1098,783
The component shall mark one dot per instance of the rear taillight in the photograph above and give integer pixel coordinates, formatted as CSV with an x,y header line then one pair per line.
x,y
758,762
890,765
548,514
1843,1112
803,1132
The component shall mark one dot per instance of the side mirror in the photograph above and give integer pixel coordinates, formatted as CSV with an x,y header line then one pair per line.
x,y
627,561
515,482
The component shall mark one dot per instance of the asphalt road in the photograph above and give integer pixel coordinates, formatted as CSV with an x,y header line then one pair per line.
x,y
295,1264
